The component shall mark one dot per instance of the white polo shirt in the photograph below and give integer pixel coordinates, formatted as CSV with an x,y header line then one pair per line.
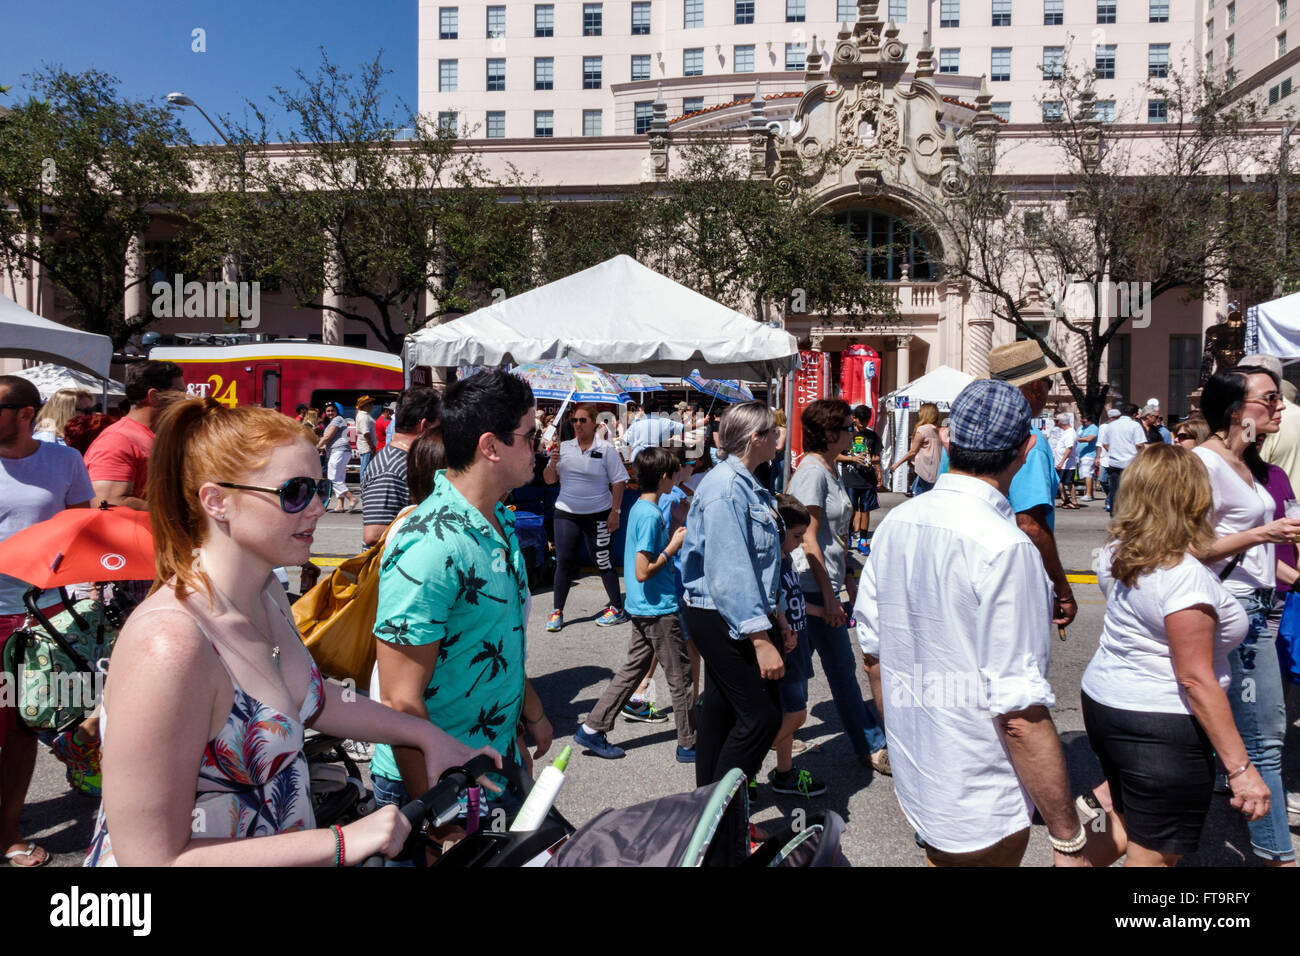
x,y
956,604
586,476
1123,439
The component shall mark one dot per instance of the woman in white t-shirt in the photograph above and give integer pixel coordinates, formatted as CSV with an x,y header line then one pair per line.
x,y
1154,700
1239,405
592,478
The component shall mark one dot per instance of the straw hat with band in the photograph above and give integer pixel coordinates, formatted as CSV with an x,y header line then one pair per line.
x,y
1020,363
365,401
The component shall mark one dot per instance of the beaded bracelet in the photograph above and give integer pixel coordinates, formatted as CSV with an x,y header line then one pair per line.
x,y
339,854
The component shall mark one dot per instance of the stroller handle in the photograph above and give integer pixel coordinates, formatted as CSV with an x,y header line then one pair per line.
x,y
441,802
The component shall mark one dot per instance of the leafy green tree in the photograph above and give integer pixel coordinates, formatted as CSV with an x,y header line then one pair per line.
x,y
83,171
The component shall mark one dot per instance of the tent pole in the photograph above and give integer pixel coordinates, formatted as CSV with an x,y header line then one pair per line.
x,y
789,419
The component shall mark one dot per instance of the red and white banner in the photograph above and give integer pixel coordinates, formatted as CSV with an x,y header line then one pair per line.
x,y
811,382
860,378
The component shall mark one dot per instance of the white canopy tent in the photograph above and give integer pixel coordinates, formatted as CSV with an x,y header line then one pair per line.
x,y
1273,328
940,386
25,335
619,315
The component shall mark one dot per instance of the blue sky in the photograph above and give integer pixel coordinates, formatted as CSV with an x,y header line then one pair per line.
x,y
251,47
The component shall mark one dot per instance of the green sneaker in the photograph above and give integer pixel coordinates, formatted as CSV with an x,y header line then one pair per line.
x,y
798,782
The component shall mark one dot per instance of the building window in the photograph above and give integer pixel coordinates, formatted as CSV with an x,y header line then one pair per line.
x,y
641,66
891,244
544,20
640,19
591,122
1105,11
1000,63
1158,11
693,61
898,11
744,11
1053,13
1209,61
1158,60
693,13
591,72
1052,111
949,13
1053,62
1157,111
496,22
544,73
743,58
692,104
592,19
543,123
643,113
1232,14
796,56
1104,66
1232,48
949,61
846,11
1209,29
1002,13
1281,43
1105,110
496,125
448,75
496,76
447,123
1279,92
1001,110
1118,365
448,23
795,11
1184,370
1281,10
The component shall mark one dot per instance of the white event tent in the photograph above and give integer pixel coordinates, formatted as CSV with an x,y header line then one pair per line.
x,y
1273,328
939,386
26,335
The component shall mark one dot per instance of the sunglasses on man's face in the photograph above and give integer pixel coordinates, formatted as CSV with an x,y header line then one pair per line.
x,y
581,421
295,494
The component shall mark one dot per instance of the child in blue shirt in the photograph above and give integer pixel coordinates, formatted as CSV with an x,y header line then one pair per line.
x,y
792,689
651,601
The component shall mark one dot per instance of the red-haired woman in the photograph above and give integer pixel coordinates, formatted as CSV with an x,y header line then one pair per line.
x,y
212,687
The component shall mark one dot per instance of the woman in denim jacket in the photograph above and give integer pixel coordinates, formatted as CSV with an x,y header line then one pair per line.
x,y
731,578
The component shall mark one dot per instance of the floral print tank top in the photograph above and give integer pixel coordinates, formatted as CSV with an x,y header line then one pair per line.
x,y
254,778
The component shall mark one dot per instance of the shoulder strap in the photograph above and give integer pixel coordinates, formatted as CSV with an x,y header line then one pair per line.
x,y
1231,566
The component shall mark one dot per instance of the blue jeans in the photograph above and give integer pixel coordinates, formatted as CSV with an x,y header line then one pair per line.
x,y
365,462
1113,476
920,486
388,791
833,646
1259,711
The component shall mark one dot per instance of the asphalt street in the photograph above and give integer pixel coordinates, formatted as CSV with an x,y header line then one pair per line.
x,y
569,670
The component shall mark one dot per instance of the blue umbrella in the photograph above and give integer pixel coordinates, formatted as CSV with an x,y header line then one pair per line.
x,y
731,391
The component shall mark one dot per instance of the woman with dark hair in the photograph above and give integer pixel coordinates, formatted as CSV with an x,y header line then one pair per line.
x,y
334,442
828,431
731,581
1240,405
212,688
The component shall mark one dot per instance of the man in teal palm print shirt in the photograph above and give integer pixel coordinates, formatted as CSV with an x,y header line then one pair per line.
x,y
453,588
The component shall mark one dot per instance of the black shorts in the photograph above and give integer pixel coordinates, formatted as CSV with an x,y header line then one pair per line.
x,y
1161,773
864,499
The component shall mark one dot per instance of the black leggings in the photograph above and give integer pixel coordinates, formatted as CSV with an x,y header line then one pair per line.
x,y
739,710
570,529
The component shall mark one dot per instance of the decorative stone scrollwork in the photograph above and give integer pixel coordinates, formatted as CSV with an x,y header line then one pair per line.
x,y
893,50
846,52
783,186
810,148
870,37
953,181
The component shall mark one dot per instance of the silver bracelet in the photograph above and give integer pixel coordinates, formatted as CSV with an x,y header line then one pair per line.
x,y
1070,847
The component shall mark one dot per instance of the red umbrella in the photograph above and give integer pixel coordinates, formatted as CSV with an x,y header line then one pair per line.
x,y
81,545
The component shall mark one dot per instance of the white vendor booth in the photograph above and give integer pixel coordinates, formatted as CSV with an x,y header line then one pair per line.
x,y
1273,328
939,386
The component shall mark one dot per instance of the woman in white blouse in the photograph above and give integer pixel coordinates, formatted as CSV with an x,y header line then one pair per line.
x,y
1154,700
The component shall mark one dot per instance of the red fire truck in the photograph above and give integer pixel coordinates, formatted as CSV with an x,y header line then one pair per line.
x,y
283,375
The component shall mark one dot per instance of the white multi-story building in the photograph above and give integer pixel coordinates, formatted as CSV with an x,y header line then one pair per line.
x,y
558,69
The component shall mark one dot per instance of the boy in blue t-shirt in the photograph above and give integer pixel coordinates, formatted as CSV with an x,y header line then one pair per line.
x,y
792,688
651,601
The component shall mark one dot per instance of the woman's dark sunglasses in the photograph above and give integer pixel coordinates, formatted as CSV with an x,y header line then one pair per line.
x,y
295,494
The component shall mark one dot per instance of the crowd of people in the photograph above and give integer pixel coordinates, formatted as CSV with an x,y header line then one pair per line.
x,y
730,584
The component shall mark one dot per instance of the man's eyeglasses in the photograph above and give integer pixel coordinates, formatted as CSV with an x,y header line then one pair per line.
x,y
295,494
532,436
1269,398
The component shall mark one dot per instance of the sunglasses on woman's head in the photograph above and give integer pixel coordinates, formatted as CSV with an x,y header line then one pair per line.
x,y
295,494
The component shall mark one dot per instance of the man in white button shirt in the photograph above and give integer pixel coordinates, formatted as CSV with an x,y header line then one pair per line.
x,y
1123,439
955,603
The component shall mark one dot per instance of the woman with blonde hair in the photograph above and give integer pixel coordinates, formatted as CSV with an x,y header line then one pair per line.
x,y
1154,695
63,406
926,450
212,687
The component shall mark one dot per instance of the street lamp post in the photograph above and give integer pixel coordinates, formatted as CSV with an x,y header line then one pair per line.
x,y
1283,172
